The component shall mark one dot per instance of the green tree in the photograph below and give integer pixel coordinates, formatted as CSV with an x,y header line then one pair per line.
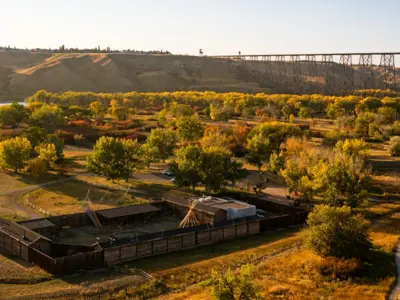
x,y
298,178
334,111
187,166
335,231
387,114
247,291
189,128
14,153
47,117
276,163
47,154
286,112
57,142
7,117
222,285
98,110
304,112
19,111
76,111
259,150
374,131
35,135
120,112
228,286
235,172
149,154
214,165
115,158
354,148
276,133
164,140
215,138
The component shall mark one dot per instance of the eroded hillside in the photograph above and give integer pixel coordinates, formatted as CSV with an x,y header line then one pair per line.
x,y
23,73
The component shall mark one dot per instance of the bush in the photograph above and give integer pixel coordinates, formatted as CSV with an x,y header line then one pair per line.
x,y
339,268
335,231
37,167
334,136
394,146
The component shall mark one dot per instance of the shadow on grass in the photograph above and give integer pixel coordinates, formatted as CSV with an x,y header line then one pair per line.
x,y
167,261
33,180
180,258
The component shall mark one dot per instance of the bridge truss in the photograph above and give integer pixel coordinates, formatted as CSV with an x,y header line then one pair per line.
x,y
327,73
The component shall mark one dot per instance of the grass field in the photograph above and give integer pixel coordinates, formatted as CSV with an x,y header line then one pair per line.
x,y
68,197
284,269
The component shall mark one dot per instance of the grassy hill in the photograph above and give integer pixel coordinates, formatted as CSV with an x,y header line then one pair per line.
x,y
23,73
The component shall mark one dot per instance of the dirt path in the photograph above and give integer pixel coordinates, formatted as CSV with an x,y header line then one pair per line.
x,y
13,199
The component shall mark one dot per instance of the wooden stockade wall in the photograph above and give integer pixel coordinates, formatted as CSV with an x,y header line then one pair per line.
x,y
176,242
45,253
67,264
14,245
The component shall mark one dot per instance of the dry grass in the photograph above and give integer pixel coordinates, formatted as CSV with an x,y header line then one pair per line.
x,y
15,270
76,152
68,197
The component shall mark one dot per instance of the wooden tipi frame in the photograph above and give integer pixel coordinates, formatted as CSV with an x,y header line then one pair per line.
x,y
190,219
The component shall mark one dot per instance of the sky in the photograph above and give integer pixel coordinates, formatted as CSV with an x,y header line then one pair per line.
x,y
219,27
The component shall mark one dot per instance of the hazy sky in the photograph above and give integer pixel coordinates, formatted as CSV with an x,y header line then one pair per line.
x,y
217,26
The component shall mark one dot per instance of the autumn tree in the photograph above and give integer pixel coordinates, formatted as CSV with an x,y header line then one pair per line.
x,y
98,110
115,158
354,148
286,112
304,112
164,140
47,154
215,138
276,163
14,153
47,117
189,128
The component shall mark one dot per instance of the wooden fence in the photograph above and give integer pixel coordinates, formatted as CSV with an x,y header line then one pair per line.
x,y
137,250
67,264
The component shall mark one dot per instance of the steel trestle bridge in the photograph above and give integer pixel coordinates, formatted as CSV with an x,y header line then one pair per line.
x,y
327,73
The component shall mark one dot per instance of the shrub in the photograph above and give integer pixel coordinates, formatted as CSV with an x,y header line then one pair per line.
x,y
37,167
334,136
394,146
335,231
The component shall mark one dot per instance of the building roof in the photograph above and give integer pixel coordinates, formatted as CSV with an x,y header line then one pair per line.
x,y
127,211
224,203
199,206
37,224
18,231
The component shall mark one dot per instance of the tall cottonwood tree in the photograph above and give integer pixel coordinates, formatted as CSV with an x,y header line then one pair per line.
x,y
115,158
15,153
